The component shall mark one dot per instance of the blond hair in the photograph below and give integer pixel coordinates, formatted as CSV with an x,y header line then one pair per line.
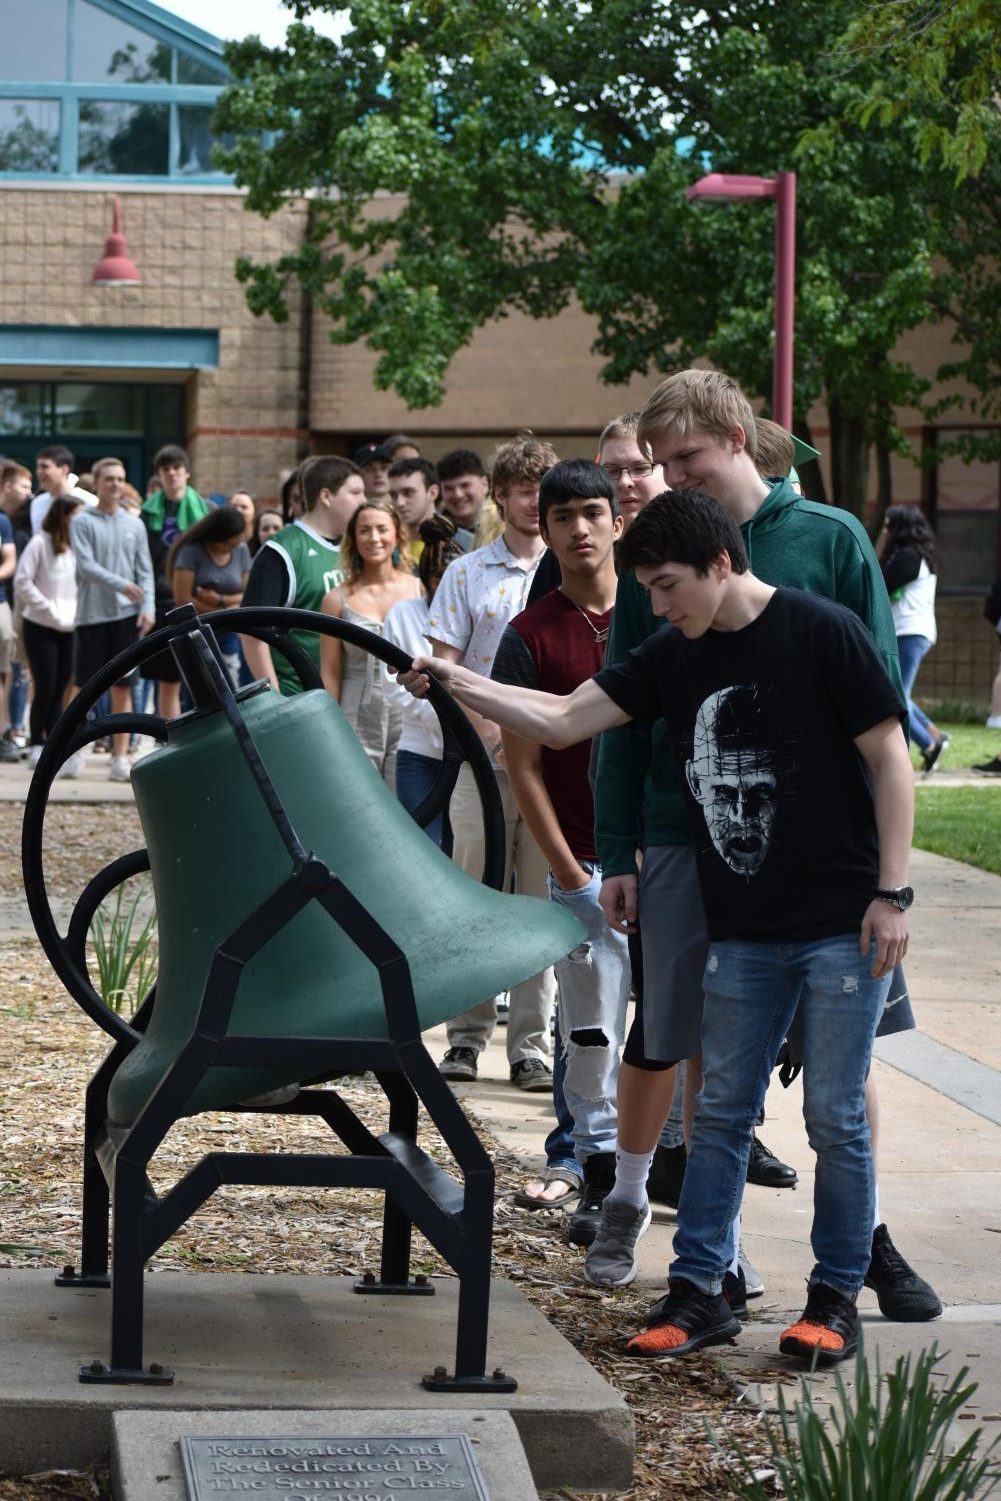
x,y
704,399
624,426
775,451
521,461
98,468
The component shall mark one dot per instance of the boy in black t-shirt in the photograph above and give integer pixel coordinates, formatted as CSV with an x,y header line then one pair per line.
x,y
799,793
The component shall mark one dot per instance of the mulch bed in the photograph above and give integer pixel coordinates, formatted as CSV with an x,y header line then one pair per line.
x,y
56,1048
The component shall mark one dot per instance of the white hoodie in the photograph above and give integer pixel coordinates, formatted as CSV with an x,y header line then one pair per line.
x,y
45,584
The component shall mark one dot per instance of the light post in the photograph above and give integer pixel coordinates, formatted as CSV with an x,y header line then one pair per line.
x,y
732,186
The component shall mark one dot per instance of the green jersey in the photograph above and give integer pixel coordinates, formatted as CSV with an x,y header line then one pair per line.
x,y
314,568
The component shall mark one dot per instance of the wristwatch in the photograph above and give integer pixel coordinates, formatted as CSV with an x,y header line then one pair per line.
x,y
901,897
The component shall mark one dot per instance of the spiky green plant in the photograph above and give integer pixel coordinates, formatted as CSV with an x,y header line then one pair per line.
x,y
125,948
886,1441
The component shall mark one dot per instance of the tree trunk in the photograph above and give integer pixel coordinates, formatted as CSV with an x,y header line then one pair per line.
x,y
849,458
884,490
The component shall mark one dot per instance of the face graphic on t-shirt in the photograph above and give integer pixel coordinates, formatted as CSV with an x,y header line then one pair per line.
x,y
733,776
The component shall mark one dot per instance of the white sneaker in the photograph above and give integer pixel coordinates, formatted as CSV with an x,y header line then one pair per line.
x,y
73,767
120,770
144,745
34,756
993,721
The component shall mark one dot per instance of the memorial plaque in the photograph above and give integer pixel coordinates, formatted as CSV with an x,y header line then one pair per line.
x,y
377,1468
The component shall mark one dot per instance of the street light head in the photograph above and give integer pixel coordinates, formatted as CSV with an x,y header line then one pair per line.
x,y
732,186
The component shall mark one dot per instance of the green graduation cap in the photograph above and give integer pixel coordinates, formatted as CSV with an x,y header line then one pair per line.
x,y
802,452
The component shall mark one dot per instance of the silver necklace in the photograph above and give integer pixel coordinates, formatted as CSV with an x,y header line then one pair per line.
x,y
598,635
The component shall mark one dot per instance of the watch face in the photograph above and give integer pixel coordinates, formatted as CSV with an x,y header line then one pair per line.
x,y
905,897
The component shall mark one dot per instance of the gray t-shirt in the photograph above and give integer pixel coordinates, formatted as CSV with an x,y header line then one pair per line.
x,y
226,577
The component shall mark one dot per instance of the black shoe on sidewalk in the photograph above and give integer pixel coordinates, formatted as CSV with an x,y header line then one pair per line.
x,y
989,768
683,1320
827,1329
765,1169
532,1075
599,1180
459,1063
666,1175
901,1294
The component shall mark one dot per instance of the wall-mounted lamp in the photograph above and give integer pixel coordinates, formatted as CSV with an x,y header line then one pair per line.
x,y
115,269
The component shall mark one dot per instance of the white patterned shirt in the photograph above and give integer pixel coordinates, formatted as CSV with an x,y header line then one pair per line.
x,y
478,594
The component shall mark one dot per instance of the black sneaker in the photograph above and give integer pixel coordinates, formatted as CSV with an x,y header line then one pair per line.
x,y
666,1175
765,1169
683,1320
827,1329
599,1179
989,768
735,1292
931,755
532,1074
901,1294
459,1063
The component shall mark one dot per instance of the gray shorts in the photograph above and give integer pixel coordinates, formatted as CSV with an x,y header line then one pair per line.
x,y
898,1016
675,945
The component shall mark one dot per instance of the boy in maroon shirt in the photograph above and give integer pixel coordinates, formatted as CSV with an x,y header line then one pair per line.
x,y
555,645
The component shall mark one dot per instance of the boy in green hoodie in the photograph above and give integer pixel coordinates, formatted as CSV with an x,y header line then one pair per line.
x,y
700,427
170,510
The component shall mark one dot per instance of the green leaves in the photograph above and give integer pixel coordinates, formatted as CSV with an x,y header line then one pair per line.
x,y
888,1439
467,157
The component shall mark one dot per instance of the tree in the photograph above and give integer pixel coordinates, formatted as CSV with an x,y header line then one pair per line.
x,y
544,147
939,66
939,62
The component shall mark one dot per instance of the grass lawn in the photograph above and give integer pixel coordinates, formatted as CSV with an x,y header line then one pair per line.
x,y
970,743
961,822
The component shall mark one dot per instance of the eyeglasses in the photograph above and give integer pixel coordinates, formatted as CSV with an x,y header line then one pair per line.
x,y
616,472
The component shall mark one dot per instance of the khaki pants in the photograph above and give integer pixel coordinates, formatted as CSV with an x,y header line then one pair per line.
x,y
532,1000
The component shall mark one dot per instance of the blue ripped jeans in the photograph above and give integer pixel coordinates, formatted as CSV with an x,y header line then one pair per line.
x,y
594,983
751,993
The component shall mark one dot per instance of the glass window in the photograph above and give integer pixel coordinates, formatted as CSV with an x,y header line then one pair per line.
x,y
195,138
166,416
29,135
106,49
33,42
23,409
127,138
190,70
98,407
966,484
967,551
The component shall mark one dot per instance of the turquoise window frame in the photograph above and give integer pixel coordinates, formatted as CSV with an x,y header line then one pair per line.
x,y
157,23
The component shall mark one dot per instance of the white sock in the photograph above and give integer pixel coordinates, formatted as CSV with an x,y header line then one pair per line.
x,y
736,1244
631,1171
876,1221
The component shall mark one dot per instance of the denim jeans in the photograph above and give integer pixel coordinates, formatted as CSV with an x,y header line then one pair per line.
x,y
415,776
594,989
751,993
912,651
558,1145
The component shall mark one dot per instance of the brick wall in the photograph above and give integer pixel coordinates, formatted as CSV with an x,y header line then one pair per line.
x,y
242,417
964,660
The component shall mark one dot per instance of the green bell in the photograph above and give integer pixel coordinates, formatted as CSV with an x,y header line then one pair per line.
x,y
216,857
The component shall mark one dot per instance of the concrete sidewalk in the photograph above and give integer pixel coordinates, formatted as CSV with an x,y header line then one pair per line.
x,y
939,1163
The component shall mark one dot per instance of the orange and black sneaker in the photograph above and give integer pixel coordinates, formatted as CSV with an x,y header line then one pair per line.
x,y
684,1319
827,1329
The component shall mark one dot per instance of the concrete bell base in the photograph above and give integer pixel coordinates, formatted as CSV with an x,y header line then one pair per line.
x,y
146,1456
286,1344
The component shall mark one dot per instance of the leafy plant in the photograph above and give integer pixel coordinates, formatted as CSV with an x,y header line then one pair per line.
x,y
888,1439
125,948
